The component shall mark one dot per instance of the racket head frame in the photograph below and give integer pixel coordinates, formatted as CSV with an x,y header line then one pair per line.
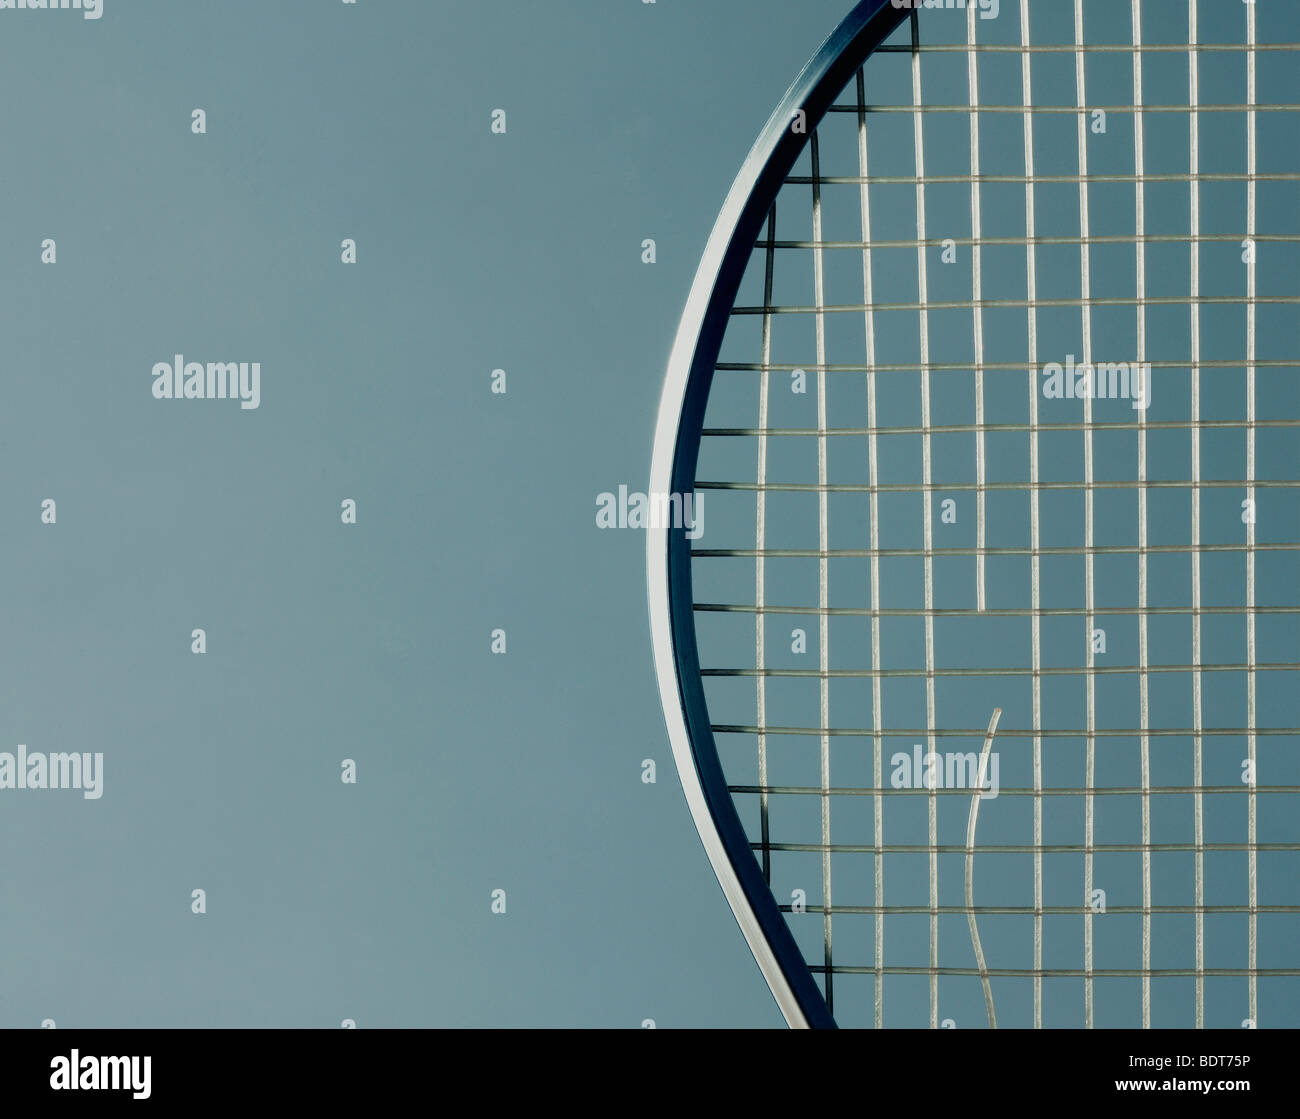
x,y
676,449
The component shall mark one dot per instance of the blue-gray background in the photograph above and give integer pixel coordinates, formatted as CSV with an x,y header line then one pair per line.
x,y
476,772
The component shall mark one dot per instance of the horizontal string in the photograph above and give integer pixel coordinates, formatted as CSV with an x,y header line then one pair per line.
x,y
989,366
975,612
1067,110
1091,239
1003,790
954,429
920,487
886,732
1018,848
926,673
1072,180
1057,972
1085,48
1029,910
1005,550
973,304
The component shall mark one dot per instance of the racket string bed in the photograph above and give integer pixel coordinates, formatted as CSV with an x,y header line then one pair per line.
x,y
1113,561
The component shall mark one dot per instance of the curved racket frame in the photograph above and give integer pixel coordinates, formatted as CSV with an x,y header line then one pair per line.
x,y
676,450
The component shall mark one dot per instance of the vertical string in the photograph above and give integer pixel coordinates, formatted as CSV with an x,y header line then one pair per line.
x,y
1085,295
927,510
1035,581
878,801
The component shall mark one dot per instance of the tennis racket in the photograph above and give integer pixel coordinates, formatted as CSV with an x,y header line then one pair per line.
x,y
978,654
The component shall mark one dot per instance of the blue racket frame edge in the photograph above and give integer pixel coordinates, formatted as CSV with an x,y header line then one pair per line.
x,y
672,471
